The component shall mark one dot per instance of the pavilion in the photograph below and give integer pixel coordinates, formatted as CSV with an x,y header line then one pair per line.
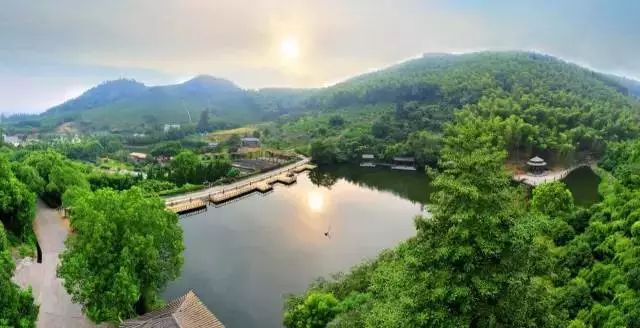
x,y
537,165
184,312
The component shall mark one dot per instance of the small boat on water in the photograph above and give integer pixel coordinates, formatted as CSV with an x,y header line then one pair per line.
x,y
367,165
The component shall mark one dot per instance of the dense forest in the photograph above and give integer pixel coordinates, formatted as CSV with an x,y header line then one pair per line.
x,y
488,255
546,107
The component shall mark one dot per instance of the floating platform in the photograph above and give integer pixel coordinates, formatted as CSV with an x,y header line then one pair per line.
x,y
303,168
264,186
403,168
189,206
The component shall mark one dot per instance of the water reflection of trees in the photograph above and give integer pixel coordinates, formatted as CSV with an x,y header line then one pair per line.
x,y
408,185
323,178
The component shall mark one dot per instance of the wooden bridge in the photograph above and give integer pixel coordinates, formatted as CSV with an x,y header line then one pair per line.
x,y
224,194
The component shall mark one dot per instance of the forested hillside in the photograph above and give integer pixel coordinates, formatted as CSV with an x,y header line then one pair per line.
x,y
126,104
549,107
553,108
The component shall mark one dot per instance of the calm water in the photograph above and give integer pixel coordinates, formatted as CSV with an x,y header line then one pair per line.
x,y
243,257
583,184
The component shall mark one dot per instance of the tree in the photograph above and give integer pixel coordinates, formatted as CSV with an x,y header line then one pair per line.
x,y
168,149
203,122
125,249
323,151
17,308
476,253
314,311
184,168
29,176
425,146
17,203
336,121
58,173
552,199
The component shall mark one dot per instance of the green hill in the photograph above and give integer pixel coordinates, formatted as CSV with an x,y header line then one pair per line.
x,y
129,104
552,108
419,94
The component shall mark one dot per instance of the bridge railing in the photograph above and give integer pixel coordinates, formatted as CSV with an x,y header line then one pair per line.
x,y
250,183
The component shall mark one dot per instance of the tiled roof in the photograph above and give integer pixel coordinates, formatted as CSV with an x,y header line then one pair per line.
x,y
184,312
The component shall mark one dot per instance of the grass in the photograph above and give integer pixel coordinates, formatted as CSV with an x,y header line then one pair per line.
x,y
223,135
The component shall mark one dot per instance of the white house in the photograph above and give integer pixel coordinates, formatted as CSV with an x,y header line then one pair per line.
x,y
168,127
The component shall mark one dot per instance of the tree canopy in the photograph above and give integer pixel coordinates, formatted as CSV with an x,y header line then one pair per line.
x,y
125,249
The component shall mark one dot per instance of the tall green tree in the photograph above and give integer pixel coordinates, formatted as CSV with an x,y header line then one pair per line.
x,y
125,249
17,203
184,168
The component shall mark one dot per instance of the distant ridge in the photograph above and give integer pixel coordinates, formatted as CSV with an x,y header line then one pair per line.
x,y
128,104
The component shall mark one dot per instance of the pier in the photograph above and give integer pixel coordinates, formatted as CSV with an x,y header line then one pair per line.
x,y
221,195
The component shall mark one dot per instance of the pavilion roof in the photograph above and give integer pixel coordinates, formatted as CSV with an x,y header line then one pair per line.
x,y
536,161
184,312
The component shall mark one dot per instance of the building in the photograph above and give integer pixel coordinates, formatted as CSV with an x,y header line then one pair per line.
x,y
250,142
12,140
169,127
537,165
184,312
137,157
368,160
404,163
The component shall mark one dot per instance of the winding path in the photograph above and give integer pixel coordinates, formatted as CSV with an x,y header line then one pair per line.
x,y
56,308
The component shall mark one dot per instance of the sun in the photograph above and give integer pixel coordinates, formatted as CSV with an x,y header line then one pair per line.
x,y
289,48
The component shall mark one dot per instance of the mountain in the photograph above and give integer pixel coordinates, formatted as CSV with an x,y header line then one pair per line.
x,y
445,81
128,104
632,86
103,94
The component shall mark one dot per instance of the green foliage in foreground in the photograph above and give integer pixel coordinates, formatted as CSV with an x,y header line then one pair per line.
x,y
125,249
17,203
17,308
488,258
475,262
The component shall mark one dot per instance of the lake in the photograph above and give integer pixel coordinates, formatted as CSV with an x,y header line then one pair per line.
x,y
583,184
242,258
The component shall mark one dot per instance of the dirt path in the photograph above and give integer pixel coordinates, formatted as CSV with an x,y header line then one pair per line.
x,y
56,308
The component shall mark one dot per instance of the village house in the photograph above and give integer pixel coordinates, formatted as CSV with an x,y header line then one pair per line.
x,y
169,127
137,157
250,142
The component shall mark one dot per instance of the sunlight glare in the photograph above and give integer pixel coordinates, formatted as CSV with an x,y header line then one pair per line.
x,y
289,48
315,201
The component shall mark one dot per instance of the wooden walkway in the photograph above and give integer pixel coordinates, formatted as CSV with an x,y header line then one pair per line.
x,y
549,176
224,194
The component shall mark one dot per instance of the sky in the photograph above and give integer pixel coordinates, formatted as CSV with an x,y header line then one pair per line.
x,y
51,51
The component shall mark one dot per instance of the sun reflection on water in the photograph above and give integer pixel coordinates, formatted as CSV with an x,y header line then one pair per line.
x,y
315,200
